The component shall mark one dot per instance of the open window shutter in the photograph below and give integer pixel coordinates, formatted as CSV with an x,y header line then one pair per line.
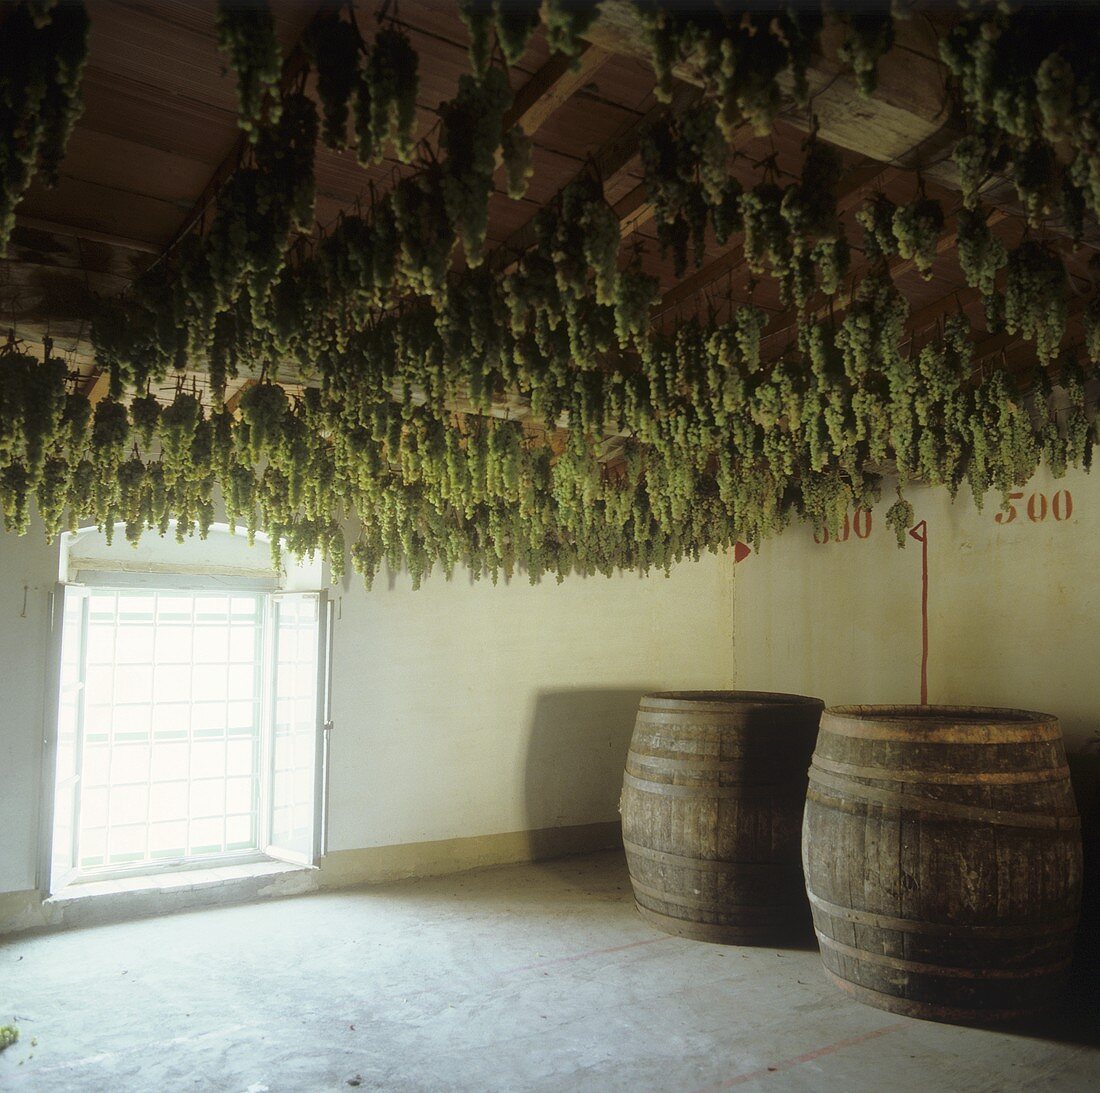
x,y
63,734
298,696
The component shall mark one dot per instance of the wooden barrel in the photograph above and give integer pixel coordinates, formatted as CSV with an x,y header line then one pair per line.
x,y
942,853
712,807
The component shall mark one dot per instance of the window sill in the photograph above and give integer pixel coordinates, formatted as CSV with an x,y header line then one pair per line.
x,y
91,902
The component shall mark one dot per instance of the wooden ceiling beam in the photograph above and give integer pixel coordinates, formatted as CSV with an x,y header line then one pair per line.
x,y
848,194
906,110
896,267
906,122
611,160
97,387
36,223
552,86
635,209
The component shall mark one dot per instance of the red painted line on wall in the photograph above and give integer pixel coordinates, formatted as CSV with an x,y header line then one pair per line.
x,y
920,533
808,1057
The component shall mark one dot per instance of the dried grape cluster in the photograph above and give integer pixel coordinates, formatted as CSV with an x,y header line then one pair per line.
x,y
641,443
43,48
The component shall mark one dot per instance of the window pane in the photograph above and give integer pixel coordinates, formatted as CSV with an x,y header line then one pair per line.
x,y
240,757
133,683
129,804
99,683
208,797
97,760
242,644
169,801
133,644
93,808
173,682
165,674
174,644
129,764
210,682
170,761
168,840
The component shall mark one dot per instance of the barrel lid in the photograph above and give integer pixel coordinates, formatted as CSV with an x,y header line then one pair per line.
x,y
725,700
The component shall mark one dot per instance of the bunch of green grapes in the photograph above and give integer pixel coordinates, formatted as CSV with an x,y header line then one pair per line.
x,y
1035,298
917,228
334,45
385,98
246,32
981,253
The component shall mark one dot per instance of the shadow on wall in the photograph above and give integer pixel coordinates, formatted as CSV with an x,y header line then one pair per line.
x,y
576,752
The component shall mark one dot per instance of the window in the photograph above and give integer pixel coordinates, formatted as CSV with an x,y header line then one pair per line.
x,y
189,728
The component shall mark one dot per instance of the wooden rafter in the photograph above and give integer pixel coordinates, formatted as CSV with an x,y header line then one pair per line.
x,y
552,86
906,122
635,209
610,161
108,239
784,328
733,259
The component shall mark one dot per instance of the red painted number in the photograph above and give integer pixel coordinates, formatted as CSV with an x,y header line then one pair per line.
x,y
859,522
1060,506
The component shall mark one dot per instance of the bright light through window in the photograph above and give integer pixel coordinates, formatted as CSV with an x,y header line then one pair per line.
x,y
188,728
172,714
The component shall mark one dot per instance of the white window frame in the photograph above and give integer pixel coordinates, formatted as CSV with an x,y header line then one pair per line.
x,y
265,850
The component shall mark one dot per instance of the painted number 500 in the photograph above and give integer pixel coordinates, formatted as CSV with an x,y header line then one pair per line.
x,y
1037,508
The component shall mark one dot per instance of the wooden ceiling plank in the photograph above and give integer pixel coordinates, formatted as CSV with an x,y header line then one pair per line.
x,y
293,65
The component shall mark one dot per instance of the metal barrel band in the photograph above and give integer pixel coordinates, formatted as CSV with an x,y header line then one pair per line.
x,y
855,793
722,905
943,971
951,778
711,865
754,766
908,1008
1031,733
1006,932
703,792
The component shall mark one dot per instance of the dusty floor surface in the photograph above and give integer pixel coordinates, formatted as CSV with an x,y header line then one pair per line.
x,y
534,977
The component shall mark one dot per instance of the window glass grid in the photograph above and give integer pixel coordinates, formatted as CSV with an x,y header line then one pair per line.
x,y
172,726
295,718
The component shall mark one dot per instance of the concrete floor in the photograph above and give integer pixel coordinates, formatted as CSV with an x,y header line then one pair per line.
x,y
533,977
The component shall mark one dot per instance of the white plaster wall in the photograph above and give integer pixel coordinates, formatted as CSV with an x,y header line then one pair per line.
x,y
28,574
467,709
462,709
1014,609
